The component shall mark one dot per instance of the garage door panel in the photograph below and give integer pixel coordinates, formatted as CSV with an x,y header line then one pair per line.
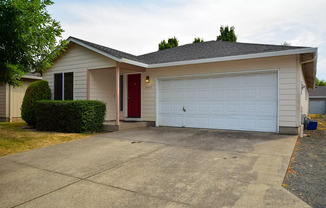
x,y
191,108
178,95
218,83
190,121
204,94
165,96
232,107
217,107
249,108
248,81
249,93
219,102
267,93
165,107
217,122
165,120
190,84
177,108
204,83
166,85
233,94
232,123
267,109
190,95
178,84
204,108
265,123
217,94
267,79
178,120
248,123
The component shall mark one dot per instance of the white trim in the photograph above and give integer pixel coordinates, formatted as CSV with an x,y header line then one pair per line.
x,y
128,61
100,67
31,77
222,73
71,39
239,57
278,102
316,97
156,105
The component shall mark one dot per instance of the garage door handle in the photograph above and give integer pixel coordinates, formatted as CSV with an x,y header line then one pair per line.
x,y
184,110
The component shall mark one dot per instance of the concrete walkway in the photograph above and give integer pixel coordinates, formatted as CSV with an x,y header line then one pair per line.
x,y
153,167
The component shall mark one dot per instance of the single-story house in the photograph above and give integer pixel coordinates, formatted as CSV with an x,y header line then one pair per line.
x,y
11,98
214,84
317,100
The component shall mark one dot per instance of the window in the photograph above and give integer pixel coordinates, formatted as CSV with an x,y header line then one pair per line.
x,y
68,86
121,92
63,86
58,86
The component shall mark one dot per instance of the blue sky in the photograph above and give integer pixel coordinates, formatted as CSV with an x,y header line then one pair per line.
x,y
138,26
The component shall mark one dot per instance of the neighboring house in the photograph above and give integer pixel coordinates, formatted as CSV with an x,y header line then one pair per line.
x,y
214,84
11,99
317,100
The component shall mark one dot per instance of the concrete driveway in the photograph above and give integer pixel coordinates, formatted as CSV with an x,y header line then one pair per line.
x,y
153,167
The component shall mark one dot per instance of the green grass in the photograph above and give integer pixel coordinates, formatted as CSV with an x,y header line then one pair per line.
x,y
15,137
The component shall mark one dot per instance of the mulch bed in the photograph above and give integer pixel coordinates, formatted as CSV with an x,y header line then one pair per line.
x,y
306,175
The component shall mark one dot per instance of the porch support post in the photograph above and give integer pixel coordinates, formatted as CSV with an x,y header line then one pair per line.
x,y
117,88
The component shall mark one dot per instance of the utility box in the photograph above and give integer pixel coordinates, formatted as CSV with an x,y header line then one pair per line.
x,y
312,125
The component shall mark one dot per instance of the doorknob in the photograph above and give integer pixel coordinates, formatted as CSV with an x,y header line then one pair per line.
x,y
184,110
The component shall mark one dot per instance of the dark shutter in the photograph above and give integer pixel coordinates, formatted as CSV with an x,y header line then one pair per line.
x,y
69,86
58,86
121,92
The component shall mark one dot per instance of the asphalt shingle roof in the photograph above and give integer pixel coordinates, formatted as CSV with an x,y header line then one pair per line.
x,y
196,51
111,51
318,91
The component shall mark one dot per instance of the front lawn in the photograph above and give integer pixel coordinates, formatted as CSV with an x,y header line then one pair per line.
x,y
15,137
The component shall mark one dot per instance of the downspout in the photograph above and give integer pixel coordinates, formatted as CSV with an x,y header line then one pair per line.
x,y
308,61
10,118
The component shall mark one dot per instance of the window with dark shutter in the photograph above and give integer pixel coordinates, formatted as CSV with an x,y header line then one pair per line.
x,y
58,86
68,86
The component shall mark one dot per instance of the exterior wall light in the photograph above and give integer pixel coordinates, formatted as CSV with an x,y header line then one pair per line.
x,y
147,80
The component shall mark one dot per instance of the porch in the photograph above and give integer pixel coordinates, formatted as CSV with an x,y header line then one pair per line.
x,y
125,125
120,88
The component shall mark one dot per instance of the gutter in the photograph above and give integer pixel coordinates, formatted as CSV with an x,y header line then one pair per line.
x,y
10,118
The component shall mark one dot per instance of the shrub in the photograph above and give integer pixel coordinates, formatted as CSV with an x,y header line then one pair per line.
x,y
38,90
70,116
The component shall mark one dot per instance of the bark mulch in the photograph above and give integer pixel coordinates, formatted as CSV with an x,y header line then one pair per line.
x,y
306,174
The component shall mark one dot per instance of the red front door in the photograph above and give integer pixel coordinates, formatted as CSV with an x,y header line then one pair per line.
x,y
134,95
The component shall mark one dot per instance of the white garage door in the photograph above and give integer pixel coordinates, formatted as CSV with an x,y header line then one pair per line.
x,y
237,102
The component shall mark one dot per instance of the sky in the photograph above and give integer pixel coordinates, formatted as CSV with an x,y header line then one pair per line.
x,y
137,27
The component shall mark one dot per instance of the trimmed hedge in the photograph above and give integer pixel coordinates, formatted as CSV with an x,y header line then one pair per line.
x,y
35,91
70,116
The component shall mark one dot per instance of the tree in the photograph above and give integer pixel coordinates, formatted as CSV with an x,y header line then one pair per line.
x,y
320,82
198,40
172,42
227,34
286,44
28,39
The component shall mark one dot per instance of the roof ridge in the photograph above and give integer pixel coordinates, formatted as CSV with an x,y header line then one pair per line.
x,y
100,47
